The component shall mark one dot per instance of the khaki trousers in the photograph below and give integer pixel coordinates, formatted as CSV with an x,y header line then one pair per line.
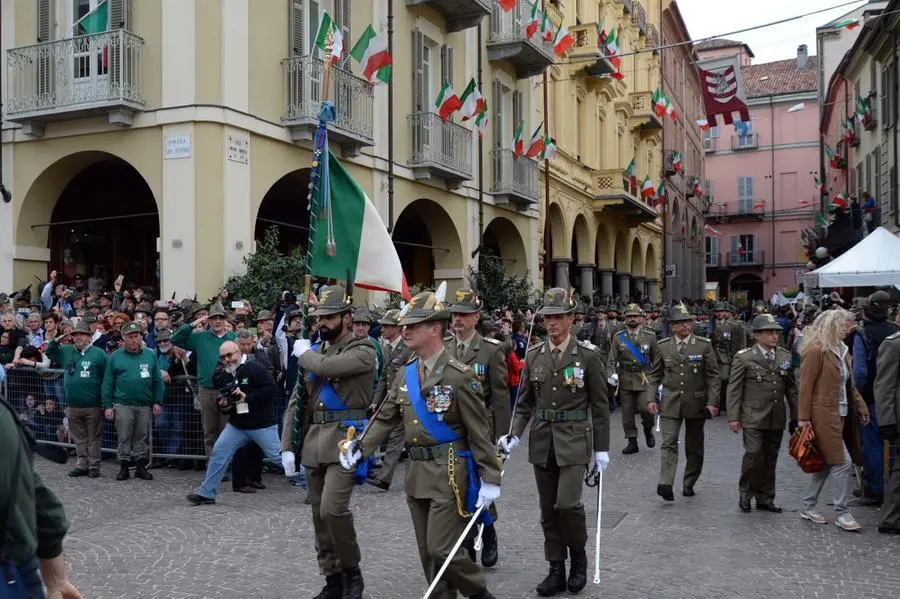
x,y
211,418
395,444
761,449
132,428
890,509
438,525
562,512
634,402
330,488
85,425
693,449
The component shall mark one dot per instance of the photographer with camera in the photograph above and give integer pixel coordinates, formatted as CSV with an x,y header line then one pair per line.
x,y
247,392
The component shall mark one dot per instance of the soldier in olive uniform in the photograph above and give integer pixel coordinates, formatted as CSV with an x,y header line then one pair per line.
x,y
612,320
728,338
439,403
579,325
686,374
652,322
563,391
701,324
340,379
631,354
600,335
887,412
396,355
487,358
761,381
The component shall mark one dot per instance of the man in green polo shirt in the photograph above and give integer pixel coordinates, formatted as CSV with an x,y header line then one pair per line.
x,y
205,345
85,366
132,389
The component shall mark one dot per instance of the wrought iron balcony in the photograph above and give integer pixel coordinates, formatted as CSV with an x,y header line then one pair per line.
x,y
748,210
507,41
353,99
747,258
515,179
639,17
616,192
870,117
75,77
460,14
440,148
750,141
588,50
642,113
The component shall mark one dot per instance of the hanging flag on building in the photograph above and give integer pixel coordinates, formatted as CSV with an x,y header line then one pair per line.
x,y
759,205
712,231
722,89
549,152
850,24
518,140
536,143
481,121
601,33
832,157
703,124
670,109
819,184
534,21
659,102
370,51
447,102
546,28
660,194
840,201
676,162
563,41
94,22
647,189
472,101
631,173
613,49
696,188
507,5
329,27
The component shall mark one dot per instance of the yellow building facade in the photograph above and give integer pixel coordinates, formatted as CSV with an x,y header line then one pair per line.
x,y
600,236
165,146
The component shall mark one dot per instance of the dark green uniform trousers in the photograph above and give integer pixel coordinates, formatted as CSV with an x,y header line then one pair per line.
x,y
634,402
330,488
693,449
761,449
562,512
890,510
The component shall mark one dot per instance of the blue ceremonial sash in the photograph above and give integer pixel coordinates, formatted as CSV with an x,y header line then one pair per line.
x,y
633,350
441,432
333,403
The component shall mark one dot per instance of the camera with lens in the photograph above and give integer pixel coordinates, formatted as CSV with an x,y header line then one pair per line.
x,y
226,384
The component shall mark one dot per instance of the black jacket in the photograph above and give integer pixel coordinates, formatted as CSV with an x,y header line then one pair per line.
x,y
261,391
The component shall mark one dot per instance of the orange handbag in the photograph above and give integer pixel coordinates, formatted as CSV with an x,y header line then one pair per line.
x,y
803,449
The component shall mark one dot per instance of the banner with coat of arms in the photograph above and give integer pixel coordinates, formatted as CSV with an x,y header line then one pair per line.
x,y
722,89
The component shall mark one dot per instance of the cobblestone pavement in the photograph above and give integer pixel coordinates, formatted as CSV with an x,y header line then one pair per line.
x,y
140,539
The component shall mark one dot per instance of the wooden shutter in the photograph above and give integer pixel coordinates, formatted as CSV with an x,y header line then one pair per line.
x,y
447,64
418,50
344,20
295,28
120,14
45,73
45,20
497,99
518,114
707,189
120,69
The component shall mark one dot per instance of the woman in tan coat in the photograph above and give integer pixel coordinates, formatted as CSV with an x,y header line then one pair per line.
x,y
830,403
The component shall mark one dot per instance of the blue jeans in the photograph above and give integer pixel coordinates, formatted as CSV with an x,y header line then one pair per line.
x,y
168,428
30,579
229,442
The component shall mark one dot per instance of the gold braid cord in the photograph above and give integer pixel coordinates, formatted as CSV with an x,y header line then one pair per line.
x,y
451,470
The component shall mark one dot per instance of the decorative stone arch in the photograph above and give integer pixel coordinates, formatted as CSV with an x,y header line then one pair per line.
x,y
623,251
651,266
605,247
428,243
503,239
637,258
581,240
279,208
556,220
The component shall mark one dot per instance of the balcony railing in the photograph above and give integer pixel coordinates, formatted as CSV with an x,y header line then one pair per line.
x,y
750,141
440,148
713,260
747,258
617,194
587,51
353,99
83,74
507,41
669,162
642,113
639,17
747,210
460,14
515,179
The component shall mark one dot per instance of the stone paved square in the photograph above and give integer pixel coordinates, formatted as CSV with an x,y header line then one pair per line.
x,y
142,540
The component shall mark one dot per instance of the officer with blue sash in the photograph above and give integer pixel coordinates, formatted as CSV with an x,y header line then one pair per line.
x,y
631,353
453,467
341,382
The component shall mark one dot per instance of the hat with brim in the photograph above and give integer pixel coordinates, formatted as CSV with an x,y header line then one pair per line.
x,y
163,335
391,318
467,302
361,315
215,310
557,301
424,307
765,322
633,310
721,307
132,327
680,313
82,327
3,298
263,315
333,299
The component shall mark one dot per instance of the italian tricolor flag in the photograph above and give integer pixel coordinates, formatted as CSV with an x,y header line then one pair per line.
x,y
659,103
840,201
563,41
660,193
601,32
703,124
96,21
676,162
506,5
326,27
472,101
647,189
447,102
536,143
519,141
612,48
546,28
549,152
364,246
631,173
534,21
847,24
481,121
371,53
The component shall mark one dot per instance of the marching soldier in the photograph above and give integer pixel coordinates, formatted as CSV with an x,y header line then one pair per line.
x,y
396,355
579,325
612,320
600,335
686,375
631,354
438,402
728,338
564,391
652,322
340,379
887,406
487,359
701,324
761,380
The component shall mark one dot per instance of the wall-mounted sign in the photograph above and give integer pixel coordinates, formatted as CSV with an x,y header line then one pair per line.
x,y
237,148
176,146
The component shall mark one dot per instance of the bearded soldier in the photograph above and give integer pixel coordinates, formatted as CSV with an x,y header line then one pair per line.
x,y
487,359
340,379
728,338
564,391
685,374
762,380
439,402
631,353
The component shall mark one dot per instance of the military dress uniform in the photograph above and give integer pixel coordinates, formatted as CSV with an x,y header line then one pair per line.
x,y
340,376
760,384
396,355
448,404
887,412
728,338
563,396
689,374
631,355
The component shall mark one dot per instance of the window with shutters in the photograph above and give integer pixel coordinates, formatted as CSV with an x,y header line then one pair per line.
x,y
707,189
304,22
712,251
743,249
447,71
90,54
887,106
745,194
876,179
579,108
859,181
45,20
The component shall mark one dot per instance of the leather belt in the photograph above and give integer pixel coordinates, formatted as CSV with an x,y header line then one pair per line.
x,y
561,415
328,416
421,453
634,368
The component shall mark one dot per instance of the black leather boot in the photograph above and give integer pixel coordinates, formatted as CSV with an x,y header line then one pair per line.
x,y
632,446
469,546
648,436
578,572
353,583
140,470
490,553
333,589
123,470
485,594
555,582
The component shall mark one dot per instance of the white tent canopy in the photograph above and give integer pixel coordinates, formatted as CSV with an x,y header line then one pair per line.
x,y
874,261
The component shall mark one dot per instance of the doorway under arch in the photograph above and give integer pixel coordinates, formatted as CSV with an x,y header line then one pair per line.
x,y
502,239
427,241
747,286
285,207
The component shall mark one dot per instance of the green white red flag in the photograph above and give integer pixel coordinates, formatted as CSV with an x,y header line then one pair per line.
x,y
472,101
549,152
660,194
534,21
326,27
507,5
481,121
631,173
536,143
647,189
370,51
563,41
519,140
447,102
547,28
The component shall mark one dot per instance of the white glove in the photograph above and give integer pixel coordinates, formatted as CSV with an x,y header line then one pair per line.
x,y
613,380
659,392
288,462
487,494
507,443
301,346
351,456
601,458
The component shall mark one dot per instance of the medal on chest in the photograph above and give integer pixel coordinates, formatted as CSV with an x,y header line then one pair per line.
x,y
479,369
573,377
439,400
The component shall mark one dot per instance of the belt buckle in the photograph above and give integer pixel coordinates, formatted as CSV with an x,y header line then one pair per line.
x,y
551,415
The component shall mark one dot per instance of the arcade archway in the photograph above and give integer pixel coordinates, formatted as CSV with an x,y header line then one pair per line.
x,y
427,242
285,206
502,239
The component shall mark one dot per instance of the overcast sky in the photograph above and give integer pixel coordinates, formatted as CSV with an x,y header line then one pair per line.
x,y
706,18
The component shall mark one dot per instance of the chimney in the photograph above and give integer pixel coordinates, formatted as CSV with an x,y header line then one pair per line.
x,y
802,58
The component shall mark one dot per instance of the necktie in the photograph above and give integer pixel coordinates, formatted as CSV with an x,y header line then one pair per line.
x,y
770,358
460,349
681,347
421,373
555,354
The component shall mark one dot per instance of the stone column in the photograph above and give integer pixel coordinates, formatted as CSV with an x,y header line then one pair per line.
x,y
624,285
637,285
606,282
587,280
561,275
653,290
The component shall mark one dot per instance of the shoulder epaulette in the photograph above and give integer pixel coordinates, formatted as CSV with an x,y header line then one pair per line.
x,y
743,351
893,336
459,365
533,347
699,338
587,345
491,340
665,340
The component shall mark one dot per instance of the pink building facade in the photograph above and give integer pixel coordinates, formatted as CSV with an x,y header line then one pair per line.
x,y
760,179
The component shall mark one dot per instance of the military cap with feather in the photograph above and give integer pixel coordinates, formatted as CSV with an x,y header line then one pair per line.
x,y
467,300
361,314
333,299
557,301
765,322
633,310
427,306
680,313
390,318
